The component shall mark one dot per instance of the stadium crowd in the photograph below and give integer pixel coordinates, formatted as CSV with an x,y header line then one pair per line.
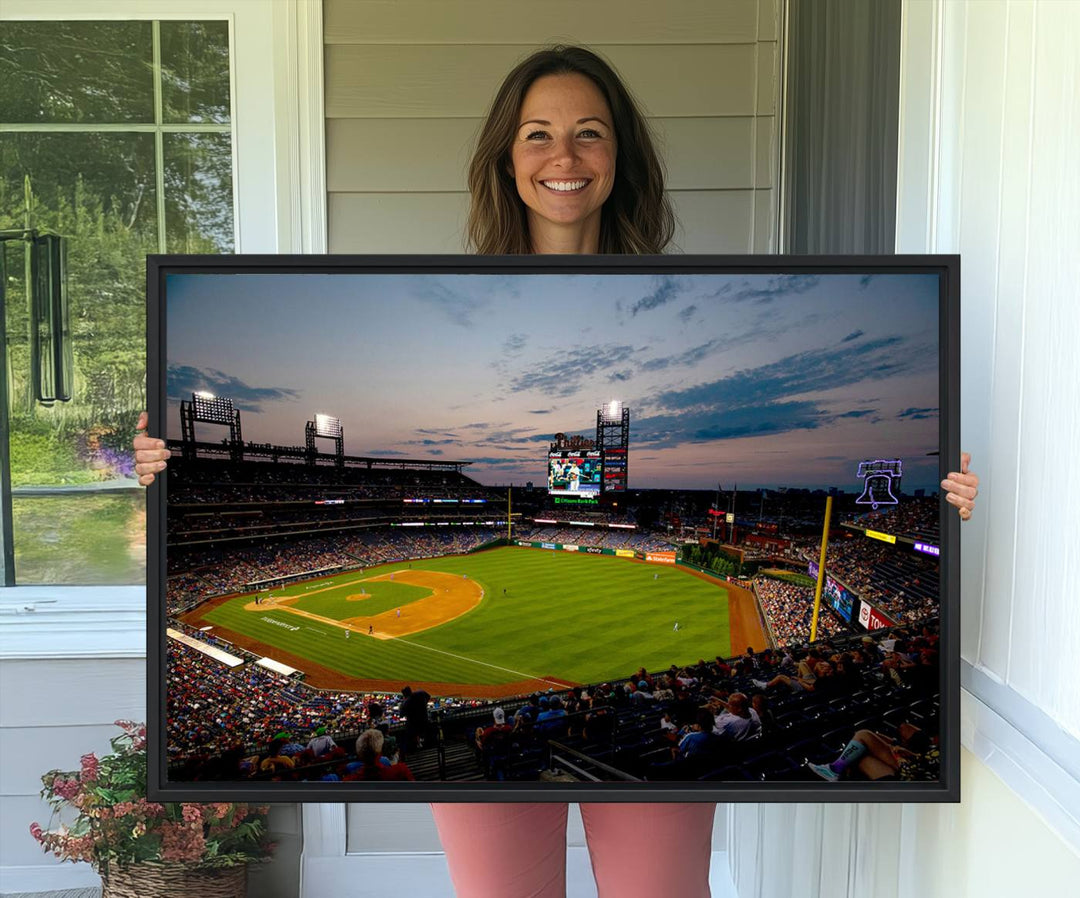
x,y
761,715
915,518
399,544
262,494
789,610
594,517
209,472
228,524
213,708
904,585
184,591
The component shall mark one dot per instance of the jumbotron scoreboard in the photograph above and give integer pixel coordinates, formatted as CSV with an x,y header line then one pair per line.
x,y
575,472
585,468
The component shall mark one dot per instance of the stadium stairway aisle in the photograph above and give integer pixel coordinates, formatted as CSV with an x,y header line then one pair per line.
x,y
461,763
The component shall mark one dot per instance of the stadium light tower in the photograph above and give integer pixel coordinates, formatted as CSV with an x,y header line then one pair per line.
x,y
207,408
326,427
613,440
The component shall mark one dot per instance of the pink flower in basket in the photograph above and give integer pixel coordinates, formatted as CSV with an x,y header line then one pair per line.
x,y
117,827
89,771
67,789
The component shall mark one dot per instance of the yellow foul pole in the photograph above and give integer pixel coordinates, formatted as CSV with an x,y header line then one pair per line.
x,y
508,489
821,569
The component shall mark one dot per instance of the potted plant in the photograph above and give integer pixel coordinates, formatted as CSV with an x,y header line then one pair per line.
x,y
143,848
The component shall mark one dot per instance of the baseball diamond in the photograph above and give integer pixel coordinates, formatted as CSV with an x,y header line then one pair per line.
x,y
490,624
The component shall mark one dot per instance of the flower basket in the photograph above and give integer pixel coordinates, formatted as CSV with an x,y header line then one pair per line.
x,y
146,849
166,880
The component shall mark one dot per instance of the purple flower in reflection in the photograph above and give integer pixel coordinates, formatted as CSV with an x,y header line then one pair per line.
x,y
110,463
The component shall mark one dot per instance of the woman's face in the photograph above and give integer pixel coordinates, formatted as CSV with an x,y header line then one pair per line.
x,y
563,154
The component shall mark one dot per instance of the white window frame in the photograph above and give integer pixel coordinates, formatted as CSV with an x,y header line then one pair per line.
x,y
279,189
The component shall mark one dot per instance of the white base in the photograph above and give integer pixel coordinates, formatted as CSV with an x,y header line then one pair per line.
x,y
427,875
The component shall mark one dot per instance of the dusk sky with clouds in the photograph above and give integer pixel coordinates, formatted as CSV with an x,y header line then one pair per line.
x,y
783,380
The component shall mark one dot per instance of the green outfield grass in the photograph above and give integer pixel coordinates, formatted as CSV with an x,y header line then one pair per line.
x,y
578,617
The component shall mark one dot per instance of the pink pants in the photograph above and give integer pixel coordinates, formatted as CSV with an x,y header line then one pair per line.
x,y
519,850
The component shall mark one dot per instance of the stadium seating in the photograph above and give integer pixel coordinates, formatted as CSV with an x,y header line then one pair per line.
x,y
805,726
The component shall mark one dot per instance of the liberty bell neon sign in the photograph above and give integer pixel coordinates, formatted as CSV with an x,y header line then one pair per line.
x,y
878,479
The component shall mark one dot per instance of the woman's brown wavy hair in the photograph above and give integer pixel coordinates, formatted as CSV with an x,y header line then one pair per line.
x,y
637,216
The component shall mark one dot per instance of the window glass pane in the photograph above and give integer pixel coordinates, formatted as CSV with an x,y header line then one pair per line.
x,y
195,72
83,184
76,72
81,539
198,193
79,518
97,190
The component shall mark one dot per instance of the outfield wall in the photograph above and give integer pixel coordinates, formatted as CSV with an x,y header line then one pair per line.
x,y
651,557
563,547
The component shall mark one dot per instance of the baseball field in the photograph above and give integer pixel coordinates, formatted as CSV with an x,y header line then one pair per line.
x,y
491,624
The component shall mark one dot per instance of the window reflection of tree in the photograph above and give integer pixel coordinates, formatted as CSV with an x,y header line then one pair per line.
x,y
120,173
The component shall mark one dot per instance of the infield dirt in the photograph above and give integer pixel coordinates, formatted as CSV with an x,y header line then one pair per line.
x,y
451,596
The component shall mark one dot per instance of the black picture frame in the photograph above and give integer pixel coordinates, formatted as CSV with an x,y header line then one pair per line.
x,y
946,789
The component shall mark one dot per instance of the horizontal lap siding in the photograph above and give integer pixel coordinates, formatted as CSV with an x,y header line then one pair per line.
x,y
523,22
460,81
391,826
397,222
408,83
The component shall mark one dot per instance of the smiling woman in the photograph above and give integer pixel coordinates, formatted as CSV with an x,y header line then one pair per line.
x,y
563,117
563,162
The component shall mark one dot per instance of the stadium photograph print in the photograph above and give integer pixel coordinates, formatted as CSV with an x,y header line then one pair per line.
x,y
400,535
402,554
